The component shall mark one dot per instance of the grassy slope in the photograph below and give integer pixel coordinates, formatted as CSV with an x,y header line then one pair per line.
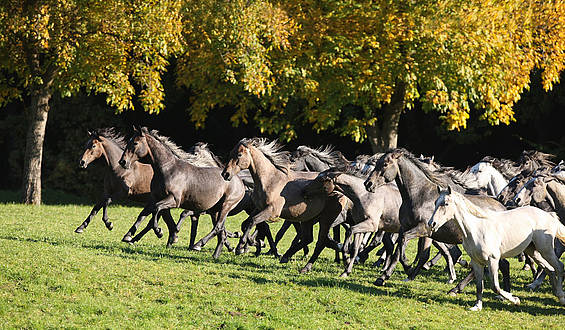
x,y
52,277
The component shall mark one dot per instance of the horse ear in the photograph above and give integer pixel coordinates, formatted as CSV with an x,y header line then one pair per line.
x,y
89,132
448,189
438,189
135,128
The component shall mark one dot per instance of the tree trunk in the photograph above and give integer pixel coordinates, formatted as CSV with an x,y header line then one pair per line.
x,y
34,145
383,135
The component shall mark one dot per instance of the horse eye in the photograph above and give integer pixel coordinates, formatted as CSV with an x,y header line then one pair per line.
x,y
239,155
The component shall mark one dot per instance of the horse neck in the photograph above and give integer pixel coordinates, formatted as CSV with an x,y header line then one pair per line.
x,y
112,154
497,180
161,157
412,182
467,221
263,170
352,187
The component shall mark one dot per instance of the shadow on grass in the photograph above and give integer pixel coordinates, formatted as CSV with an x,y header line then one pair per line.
x,y
57,197
263,274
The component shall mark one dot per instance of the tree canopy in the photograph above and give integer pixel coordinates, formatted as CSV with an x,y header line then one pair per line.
x,y
339,64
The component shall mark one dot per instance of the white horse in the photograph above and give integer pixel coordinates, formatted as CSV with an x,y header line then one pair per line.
x,y
489,177
490,236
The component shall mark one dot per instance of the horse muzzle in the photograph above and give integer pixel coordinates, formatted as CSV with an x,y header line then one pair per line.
x,y
124,164
82,164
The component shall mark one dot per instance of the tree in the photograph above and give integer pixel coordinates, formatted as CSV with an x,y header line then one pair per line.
x,y
355,66
55,46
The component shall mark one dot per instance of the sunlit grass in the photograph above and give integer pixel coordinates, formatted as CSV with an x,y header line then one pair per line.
x,y
52,277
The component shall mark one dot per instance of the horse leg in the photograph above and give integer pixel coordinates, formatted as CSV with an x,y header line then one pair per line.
x,y
400,245
422,257
388,246
298,228
493,267
323,240
144,231
478,270
446,253
307,231
376,241
164,204
280,233
172,227
357,240
109,225
459,287
269,236
547,252
337,237
504,267
142,215
92,214
198,246
248,224
428,265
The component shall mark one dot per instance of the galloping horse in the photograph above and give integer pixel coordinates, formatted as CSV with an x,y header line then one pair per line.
x,y
133,183
489,236
417,185
177,183
278,193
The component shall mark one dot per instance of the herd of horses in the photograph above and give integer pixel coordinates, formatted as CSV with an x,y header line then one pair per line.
x,y
496,208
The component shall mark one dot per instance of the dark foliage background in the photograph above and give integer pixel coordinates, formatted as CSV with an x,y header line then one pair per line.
x,y
539,126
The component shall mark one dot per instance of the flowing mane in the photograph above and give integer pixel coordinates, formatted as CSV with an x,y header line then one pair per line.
x,y
201,155
271,150
469,206
325,154
506,167
350,170
537,159
111,133
437,177
167,142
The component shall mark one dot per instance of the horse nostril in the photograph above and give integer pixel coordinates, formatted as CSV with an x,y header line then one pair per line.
x,y
122,162
81,162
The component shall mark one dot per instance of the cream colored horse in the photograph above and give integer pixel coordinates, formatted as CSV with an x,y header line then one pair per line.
x,y
491,235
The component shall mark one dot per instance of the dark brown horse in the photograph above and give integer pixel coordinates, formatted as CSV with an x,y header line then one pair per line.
x,y
177,183
133,183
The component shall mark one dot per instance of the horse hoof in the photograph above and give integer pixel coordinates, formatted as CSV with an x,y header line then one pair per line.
x,y
379,282
127,238
516,301
452,293
79,230
531,287
562,301
450,281
237,234
464,263
306,269
159,232
196,247
426,267
109,225
344,274
475,308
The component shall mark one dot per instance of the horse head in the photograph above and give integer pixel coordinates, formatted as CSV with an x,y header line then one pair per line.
x,y
136,147
239,159
94,149
385,171
444,209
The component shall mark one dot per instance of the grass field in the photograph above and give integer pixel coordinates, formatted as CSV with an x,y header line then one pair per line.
x,y
51,277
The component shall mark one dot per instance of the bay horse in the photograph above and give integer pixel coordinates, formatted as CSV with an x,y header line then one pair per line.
x,y
278,193
177,183
417,183
490,235
133,183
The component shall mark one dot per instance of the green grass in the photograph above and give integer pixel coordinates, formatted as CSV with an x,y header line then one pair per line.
x,y
52,277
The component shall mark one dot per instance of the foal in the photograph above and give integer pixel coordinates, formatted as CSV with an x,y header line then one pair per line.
x,y
489,236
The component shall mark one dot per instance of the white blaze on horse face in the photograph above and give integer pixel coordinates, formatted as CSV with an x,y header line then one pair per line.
x,y
439,216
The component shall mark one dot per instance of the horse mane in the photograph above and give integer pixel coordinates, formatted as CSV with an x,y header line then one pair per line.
x,y
437,177
326,154
506,167
111,133
173,147
271,150
201,155
350,170
472,208
537,159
